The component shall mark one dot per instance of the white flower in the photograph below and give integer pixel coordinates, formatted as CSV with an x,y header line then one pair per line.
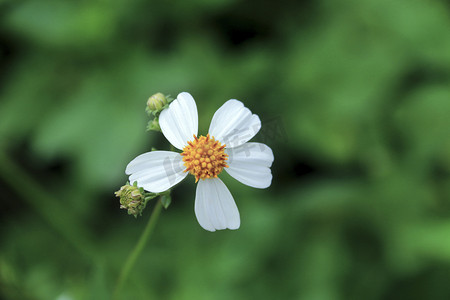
x,y
226,148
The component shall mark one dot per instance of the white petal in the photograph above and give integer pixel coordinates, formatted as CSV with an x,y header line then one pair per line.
x,y
179,122
233,124
214,206
156,171
250,164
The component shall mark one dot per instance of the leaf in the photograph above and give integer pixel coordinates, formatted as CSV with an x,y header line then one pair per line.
x,y
166,200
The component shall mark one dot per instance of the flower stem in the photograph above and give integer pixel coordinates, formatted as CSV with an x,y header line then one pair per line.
x,y
131,260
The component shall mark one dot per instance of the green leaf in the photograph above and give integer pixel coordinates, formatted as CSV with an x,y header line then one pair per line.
x,y
166,200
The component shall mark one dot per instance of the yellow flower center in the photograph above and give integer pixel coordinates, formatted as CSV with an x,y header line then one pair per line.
x,y
204,157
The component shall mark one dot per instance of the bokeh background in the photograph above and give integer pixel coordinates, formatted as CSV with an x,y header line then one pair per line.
x,y
355,102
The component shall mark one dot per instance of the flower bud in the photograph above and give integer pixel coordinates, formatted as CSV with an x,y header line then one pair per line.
x,y
156,102
154,125
132,199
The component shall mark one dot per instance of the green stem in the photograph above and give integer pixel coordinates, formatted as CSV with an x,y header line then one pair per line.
x,y
131,260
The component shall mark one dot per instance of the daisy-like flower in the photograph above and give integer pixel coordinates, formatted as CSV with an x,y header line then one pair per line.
x,y
225,147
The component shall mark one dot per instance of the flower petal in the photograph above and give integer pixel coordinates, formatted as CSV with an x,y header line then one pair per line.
x,y
214,206
179,122
156,171
250,164
233,124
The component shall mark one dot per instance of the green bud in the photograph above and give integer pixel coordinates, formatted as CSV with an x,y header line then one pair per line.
x,y
156,102
132,198
154,125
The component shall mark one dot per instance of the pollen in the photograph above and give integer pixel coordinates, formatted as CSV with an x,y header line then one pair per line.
x,y
204,157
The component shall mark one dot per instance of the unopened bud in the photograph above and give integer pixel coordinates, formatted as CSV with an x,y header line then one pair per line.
x,y
154,125
156,102
132,199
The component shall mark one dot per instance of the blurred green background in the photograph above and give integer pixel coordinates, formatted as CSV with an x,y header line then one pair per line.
x,y
354,97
